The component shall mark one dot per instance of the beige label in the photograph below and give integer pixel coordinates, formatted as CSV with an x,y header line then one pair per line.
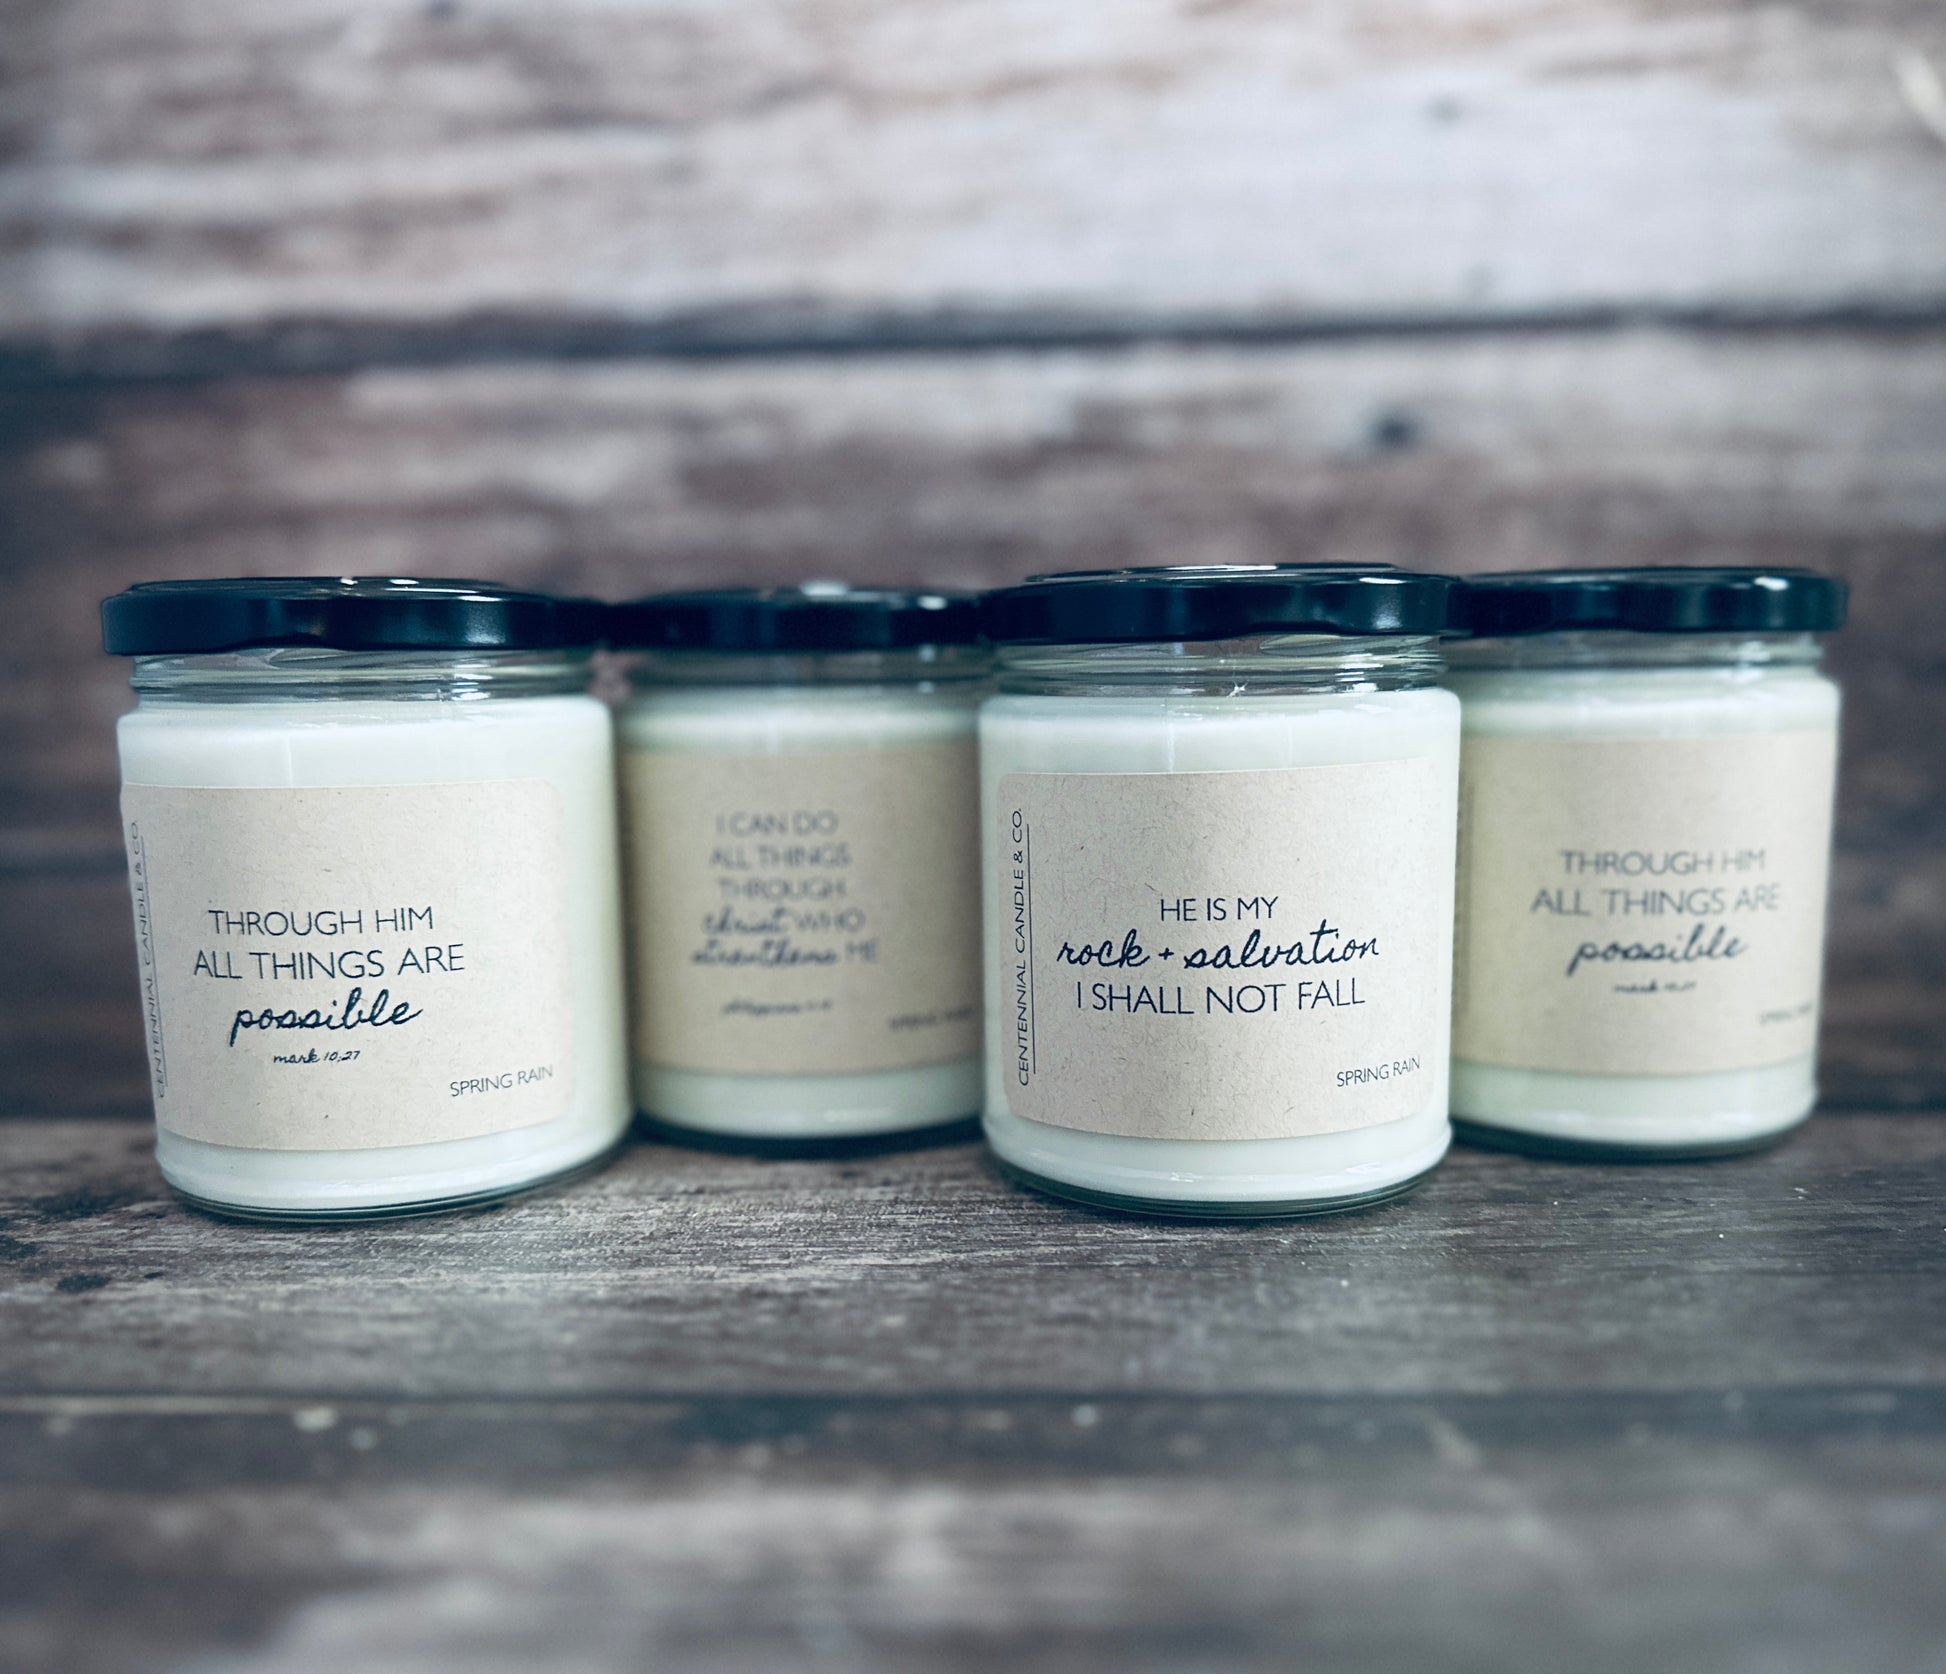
x,y
347,969
1642,907
1248,955
805,914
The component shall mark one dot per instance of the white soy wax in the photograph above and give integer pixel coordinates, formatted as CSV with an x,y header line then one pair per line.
x,y
1206,823
1646,819
799,784
377,891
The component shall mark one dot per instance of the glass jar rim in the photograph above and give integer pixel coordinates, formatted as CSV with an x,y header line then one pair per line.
x,y
1594,651
1252,665
910,665
311,673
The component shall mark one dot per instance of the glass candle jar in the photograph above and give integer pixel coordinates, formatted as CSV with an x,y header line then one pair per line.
x,y
371,839
1218,809
1645,840
799,779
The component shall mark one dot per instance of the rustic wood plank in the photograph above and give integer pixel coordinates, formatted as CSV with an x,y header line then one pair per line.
x,y
167,1444
261,168
1511,1535
70,1026
665,1419
1598,447
677,1273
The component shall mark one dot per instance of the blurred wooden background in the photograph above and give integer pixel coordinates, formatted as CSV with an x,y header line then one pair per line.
x,y
613,294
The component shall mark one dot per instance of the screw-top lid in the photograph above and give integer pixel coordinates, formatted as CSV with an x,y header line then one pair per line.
x,y
818,616
343,613
1216,601
1652,600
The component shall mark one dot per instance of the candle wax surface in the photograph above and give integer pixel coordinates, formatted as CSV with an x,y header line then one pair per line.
x,y
785,720
1030,733
1650,1111
566,740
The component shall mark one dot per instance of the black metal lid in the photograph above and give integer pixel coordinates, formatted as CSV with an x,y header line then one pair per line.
x,y
1216,601
818,616
1652,600
344,613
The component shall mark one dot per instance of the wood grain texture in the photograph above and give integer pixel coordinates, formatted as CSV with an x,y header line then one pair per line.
x,y
677,1272
616,294
1598,447
777,169
1592,447
1794,1535
714,1414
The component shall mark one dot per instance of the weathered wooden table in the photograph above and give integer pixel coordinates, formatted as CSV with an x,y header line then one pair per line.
x,y
705,1412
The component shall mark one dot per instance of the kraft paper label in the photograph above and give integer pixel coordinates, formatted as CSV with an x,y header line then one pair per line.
x,y
805,914
1642,907
1245,955
352,968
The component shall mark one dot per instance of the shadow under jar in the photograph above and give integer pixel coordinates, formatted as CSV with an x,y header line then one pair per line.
x,y
1218,812
800,791
371,837
1646,806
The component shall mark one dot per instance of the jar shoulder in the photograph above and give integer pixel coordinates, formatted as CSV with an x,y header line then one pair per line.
x,y
778,719
567,738
1288,708
1195,734
1649,702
